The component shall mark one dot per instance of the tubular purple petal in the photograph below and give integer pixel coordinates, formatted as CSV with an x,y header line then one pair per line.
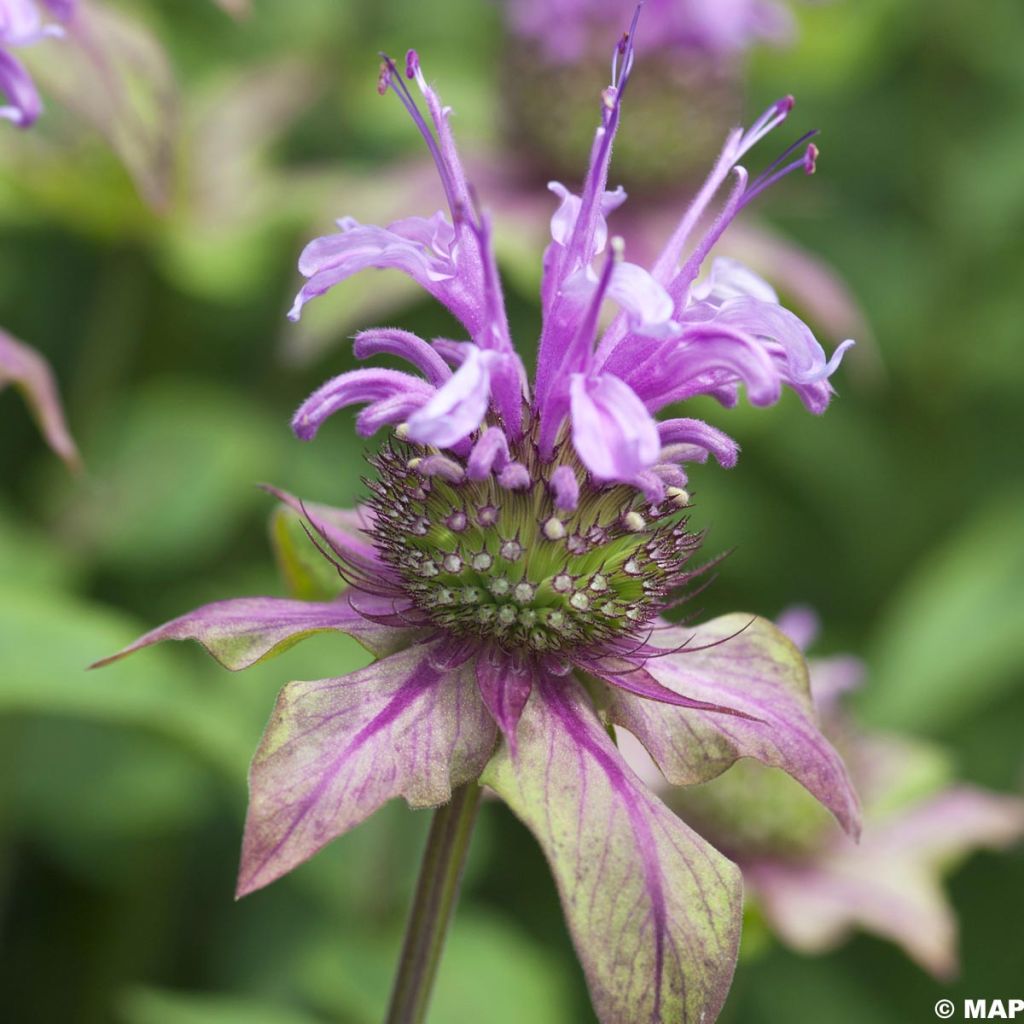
x,y
458,408
612,432
696,432
354,388
488,454
406,345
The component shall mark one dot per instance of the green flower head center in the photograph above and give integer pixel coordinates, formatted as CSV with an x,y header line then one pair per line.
x,y
508,566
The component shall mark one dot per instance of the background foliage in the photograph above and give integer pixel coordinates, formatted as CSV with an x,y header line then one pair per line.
x,y
900,515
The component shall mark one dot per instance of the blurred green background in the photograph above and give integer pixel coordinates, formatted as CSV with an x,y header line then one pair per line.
x,y
899,515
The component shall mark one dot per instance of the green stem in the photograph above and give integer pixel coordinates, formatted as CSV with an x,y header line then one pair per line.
x,y
437,892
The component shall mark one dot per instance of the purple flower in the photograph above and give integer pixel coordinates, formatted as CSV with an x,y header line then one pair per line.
x,y
511,567
29,373
22,22
719,27
814,886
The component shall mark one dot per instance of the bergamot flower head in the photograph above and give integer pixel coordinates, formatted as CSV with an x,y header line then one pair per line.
x,y
521,541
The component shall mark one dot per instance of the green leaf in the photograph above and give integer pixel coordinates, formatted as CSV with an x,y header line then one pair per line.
x,y
951,640
48,642
175,470
490,972
159,1006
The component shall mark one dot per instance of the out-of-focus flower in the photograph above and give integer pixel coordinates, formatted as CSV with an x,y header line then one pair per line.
x,y
517,551
22,23
812,885
567,30
31,375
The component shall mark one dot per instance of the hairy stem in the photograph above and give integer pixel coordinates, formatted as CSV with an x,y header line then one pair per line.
x,y
437,892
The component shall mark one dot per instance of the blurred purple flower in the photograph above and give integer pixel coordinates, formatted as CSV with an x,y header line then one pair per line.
x,y
813,886
22,23
566,29
514,561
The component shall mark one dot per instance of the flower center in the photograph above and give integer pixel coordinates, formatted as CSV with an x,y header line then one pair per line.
x,y
510,567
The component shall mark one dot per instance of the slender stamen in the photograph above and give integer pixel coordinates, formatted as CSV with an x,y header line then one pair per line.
x,y
807,162
394,80
806,137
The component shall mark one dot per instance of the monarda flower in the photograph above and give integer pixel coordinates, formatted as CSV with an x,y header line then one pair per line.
x,y
510,570
23,22
812,885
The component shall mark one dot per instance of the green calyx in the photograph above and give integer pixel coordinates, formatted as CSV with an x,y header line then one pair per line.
x,y
508,566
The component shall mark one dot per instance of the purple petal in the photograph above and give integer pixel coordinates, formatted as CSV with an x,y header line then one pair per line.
x,y
354,388
730,279
791,341
801,624
653,910
489,453
335,750
243,631
705,358
31,375
701,435
418,246
646,303
613,433
751,667
505,687
458,408
563,221
24,106
395,342
565,488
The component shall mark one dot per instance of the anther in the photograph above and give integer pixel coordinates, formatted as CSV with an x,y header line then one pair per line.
x,y
456,522
633,521
487,515
554,529
511,550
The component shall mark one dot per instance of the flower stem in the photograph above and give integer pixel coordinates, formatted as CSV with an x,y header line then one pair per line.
x,y
437,892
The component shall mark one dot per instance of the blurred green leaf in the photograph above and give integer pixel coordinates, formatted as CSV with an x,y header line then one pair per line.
x,y
490,972
159,1006
34,559
952,638
48,641
175,470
